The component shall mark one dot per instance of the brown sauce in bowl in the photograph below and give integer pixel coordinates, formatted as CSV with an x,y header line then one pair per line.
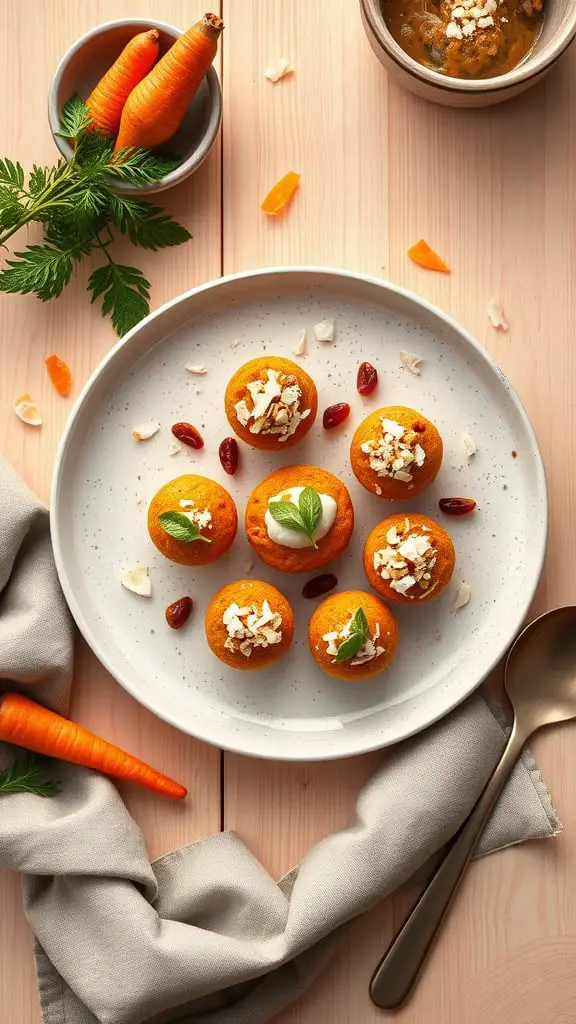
x,y
465,39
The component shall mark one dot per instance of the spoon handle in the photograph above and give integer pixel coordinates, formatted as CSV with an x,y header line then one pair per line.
x,y
398,969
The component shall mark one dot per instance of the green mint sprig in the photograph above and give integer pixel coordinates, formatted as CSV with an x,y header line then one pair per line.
x,y
28,775
81,215
179,526
303,517
354,642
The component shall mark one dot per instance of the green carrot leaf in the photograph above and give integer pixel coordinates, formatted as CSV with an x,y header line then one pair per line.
x,y
179,526
28,775
11,173
140,166
126,294
145,225
44,270
74,118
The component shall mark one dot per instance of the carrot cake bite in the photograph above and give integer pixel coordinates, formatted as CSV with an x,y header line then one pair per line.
x,y
192,520
249,624
299,518
271,403
396,453
353,636
409,559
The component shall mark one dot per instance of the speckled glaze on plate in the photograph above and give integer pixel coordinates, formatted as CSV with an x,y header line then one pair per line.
x,y
293,711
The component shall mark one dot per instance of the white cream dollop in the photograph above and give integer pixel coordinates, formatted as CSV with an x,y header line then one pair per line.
x,y
294,538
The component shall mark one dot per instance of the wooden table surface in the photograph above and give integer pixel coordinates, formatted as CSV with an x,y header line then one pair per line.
x,y
495,192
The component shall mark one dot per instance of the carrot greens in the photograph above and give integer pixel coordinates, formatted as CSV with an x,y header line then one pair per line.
x,y
28,775
81,215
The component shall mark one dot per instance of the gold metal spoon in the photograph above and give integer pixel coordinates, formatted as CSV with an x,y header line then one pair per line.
x,y
540,680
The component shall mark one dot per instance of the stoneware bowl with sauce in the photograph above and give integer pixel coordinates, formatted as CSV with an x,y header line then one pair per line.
x,y
91,56
557,32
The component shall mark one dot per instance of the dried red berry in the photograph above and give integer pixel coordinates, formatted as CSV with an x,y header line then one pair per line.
x,y
418,427
335,415
228,452
367,379
188,434
319,585
178,612
457,506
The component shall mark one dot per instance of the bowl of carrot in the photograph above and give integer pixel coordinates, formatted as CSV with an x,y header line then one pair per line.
x,y
148,86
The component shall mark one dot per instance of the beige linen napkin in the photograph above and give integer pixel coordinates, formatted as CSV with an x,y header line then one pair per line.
x,y
205,935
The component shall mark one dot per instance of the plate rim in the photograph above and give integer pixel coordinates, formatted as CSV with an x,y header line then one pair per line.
x,y
284,271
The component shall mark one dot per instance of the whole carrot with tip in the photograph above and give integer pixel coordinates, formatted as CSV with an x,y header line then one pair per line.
x,y
156,107
106,101
34,727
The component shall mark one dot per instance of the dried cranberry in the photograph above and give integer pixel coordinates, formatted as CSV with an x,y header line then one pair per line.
x,y
188,434
228,452
367,379
334,415
319,585
457,506
178,612
418,427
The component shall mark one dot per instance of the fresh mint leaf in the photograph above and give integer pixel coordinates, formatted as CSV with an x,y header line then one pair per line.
x,y
126,294
288,515
147,226
360,623
310,507
179,526
359,633
74,118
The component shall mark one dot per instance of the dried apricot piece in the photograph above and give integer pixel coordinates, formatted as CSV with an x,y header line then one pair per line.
x,y
26,410
424,256
281,194
60,375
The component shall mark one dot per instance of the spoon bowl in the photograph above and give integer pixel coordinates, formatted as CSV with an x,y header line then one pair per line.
x,y
540,676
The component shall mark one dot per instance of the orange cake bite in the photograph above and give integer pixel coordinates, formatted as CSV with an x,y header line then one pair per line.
x,y
409,559
271,403
299,518
396,453
249,624
192,520
353,635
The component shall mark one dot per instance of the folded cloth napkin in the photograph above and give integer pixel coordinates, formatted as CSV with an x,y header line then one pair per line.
x,y
205,935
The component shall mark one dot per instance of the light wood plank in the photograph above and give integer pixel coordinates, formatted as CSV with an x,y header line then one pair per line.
x,y
30,331
491,190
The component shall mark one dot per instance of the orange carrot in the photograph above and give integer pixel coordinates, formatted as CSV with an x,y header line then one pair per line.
x,y
156,108
107,99
30,725
280,195
60,374
424,256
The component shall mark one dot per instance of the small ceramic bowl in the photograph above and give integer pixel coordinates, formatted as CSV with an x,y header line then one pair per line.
x,y
558,31
91,56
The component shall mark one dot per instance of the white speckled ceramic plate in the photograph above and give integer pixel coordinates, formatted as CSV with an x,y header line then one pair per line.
x,y
293,711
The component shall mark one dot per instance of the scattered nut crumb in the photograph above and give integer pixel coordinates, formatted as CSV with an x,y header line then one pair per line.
x,y
195,368
174,448
438,634
234,343
378,489
140,499
469,444
144,431
248,564
26,410
278,69
301,346
411,362
496,315
462,596
324,331
198,391
137,580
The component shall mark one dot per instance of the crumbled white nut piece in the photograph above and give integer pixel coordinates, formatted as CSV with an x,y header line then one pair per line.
x,y
324,331
469,445
144,431
496,315
196,368
234,343
411,362
378,489
248,564
301,346
278,69
275,406
27,411
407,561
174,448
466,18
395,452
462,597
202,518
250,627
137,580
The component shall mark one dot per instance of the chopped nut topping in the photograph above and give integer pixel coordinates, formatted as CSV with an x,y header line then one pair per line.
x,y
174,448
194,368
411,362
407,561
201,518
396,452
368,652
248,564
137,580
251,627
469,444
324,331
463,594
466,17
496,315
145,430
278,69
275,406
301,346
